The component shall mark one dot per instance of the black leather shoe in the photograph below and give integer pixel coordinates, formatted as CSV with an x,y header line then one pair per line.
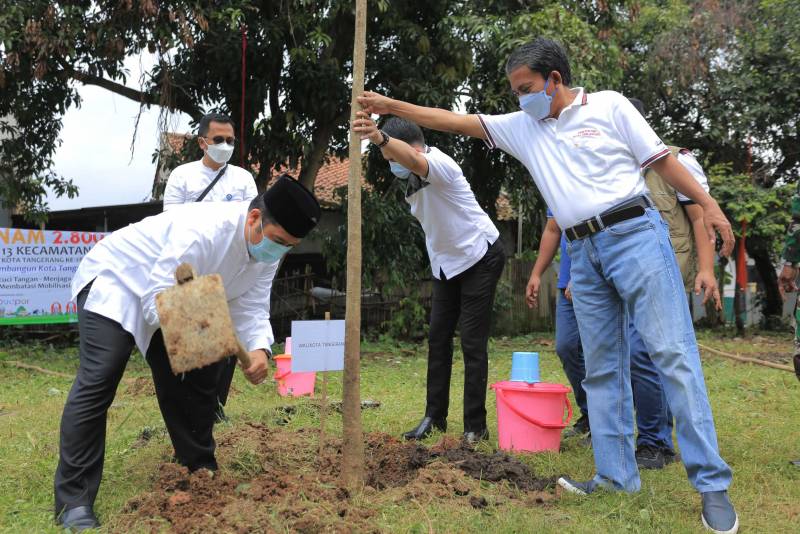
x,y
472,438
579,429
649,457
425,427
78,519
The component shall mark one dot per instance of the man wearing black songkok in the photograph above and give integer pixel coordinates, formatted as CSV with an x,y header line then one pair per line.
x,y
292,206
115,287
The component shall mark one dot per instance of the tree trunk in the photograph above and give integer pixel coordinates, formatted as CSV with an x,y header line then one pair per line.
x,y
353,439
320,141
717,318
738,309
772,304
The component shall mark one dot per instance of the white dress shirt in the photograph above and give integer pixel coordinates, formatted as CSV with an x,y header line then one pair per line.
x,y
694,168
457,231
132,265
588,160
188,181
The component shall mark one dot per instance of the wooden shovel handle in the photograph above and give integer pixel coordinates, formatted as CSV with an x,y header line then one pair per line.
x,y
184,273
243,355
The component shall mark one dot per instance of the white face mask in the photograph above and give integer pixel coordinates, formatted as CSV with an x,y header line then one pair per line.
x,y
220,153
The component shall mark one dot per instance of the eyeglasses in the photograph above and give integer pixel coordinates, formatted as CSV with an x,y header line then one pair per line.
x,y
221,139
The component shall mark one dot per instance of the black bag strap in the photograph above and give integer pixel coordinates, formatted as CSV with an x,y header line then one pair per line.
x,y
212,184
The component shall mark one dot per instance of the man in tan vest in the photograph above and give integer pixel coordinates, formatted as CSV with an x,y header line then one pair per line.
x,y
685,219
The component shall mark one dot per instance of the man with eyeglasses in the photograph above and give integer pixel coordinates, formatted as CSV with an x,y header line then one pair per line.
x,y
189,182
586,152
212,179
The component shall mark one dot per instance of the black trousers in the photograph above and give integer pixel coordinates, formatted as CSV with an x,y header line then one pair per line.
x,y
227,368
187,403
467,297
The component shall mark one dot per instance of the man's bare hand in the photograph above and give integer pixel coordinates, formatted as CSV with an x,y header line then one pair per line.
x,y
374,103
715,221
366,127
258,370
568,291
532,291
707,282
787,281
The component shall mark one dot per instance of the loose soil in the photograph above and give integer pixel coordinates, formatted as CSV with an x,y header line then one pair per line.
x,y
141,386
276,480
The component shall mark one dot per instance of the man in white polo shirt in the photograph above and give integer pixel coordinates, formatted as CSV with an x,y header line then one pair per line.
x,y
467,259
585,153
212,179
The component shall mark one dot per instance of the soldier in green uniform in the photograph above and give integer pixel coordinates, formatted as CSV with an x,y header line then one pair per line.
x,y
788,277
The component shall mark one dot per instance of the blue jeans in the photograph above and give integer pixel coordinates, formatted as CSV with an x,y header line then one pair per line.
x,y
653,416
628,272
569,349
653,419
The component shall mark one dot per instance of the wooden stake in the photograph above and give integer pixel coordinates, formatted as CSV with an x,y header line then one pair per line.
x,y
353,438
323,406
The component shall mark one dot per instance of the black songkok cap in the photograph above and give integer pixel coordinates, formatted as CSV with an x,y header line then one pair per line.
x,y
292,206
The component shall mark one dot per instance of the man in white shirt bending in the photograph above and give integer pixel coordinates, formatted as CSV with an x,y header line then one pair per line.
x,y
116,286
586,152
467,259
187,182
212,179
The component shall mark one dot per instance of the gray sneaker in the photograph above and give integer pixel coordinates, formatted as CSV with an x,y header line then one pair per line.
x,y
578,488
718,514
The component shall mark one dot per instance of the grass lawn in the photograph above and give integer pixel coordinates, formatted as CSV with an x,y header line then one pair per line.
x,y
756,412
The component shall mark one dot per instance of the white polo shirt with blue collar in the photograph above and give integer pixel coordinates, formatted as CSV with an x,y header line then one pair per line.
x,y
587,160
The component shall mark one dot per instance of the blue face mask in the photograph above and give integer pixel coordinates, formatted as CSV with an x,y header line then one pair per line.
x,y
267,251
537,105
398,170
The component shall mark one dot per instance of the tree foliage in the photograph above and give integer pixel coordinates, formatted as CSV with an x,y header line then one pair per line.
x,y
392,239
761,214
718,77
297,83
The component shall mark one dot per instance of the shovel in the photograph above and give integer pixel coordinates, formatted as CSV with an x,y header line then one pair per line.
x,y
196,322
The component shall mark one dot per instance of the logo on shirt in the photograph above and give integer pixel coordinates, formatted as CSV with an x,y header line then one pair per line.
x,y
228,197
588,132
585,138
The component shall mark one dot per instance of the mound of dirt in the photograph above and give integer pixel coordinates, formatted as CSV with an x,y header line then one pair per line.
x,y
277,480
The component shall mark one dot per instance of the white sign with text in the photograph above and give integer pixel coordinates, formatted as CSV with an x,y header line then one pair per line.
x,y
317,346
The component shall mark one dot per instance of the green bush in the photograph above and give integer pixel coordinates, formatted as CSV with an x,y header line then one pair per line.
x,y
409,320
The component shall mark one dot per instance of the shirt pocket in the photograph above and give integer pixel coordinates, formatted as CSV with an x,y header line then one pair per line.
x,y
586,155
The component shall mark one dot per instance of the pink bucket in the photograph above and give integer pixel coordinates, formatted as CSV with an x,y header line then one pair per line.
x,y
292,384
530,417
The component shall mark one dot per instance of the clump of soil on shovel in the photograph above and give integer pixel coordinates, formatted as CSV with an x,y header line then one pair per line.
x,y
276,480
